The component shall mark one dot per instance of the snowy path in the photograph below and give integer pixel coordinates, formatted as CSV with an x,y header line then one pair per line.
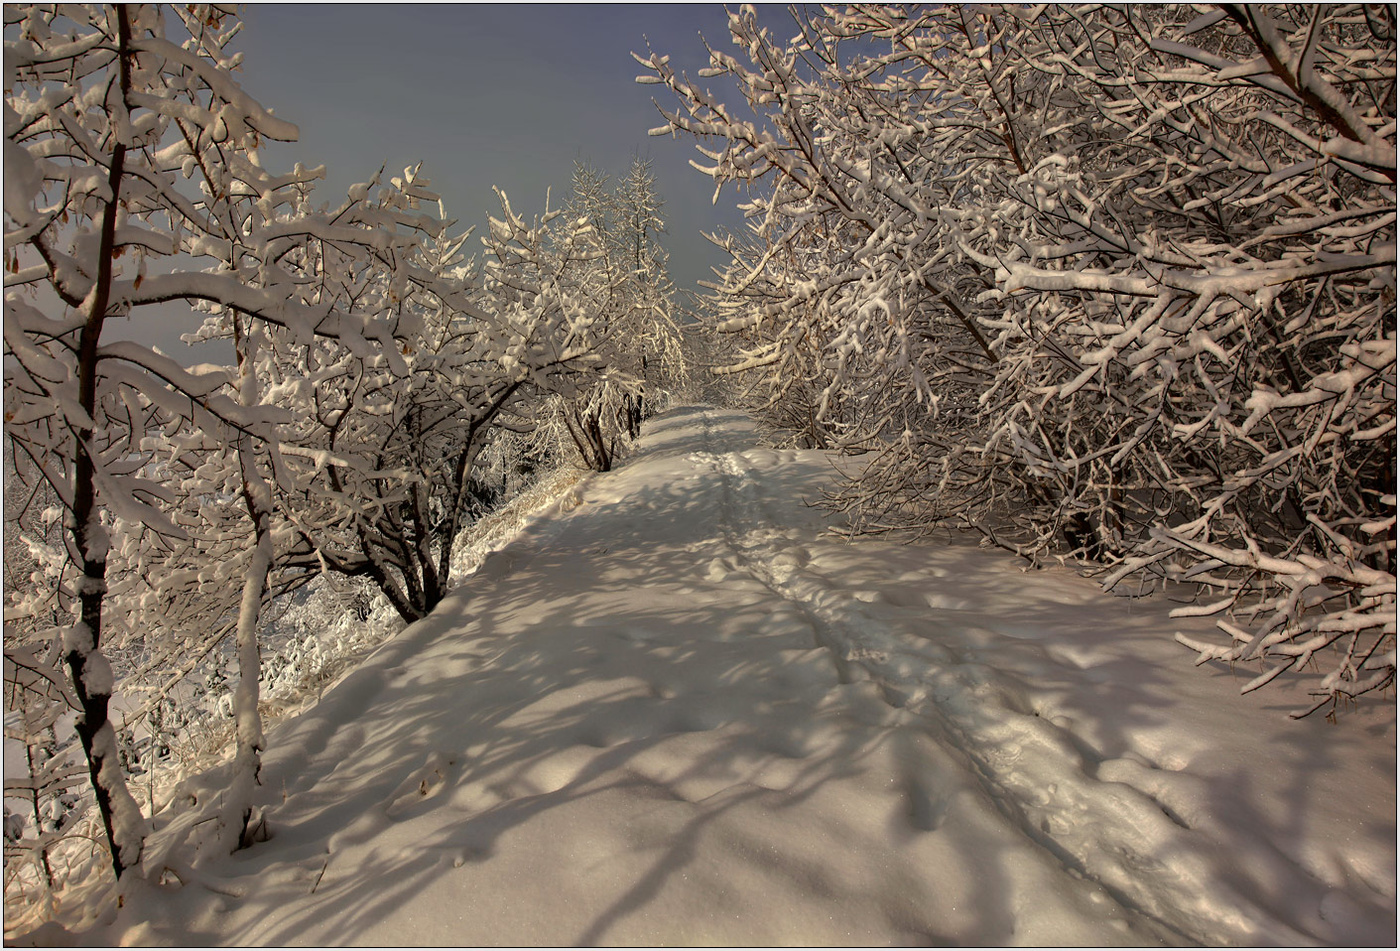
x,y
673,713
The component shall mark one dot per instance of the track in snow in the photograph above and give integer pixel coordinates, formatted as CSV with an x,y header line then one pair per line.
x,y
1047,787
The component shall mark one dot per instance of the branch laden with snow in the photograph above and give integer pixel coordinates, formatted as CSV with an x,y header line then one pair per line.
x,y
1111,283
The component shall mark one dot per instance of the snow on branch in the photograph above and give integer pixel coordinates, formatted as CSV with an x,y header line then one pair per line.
x,y
1112,284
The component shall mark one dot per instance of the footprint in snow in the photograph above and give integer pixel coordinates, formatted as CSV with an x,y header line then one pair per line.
x,y
423,783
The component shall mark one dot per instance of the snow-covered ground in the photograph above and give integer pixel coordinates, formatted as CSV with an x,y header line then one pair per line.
x,y
675,713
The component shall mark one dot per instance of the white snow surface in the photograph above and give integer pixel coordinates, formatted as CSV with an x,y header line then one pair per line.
x,y
674,712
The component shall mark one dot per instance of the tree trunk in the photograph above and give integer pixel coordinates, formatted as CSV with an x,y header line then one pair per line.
x,y
91,672
257,497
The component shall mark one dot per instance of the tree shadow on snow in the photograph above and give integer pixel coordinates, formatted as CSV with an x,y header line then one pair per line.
x,y
622,658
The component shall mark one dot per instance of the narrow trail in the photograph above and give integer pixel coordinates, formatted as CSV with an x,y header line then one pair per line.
x,y
1046,789
675,712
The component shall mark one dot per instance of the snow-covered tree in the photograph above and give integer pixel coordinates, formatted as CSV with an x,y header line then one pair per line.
x,y
1117,283
387,474
133,179
625,277
652,339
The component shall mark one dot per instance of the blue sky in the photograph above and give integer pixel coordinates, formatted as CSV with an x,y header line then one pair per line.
x,y
505,95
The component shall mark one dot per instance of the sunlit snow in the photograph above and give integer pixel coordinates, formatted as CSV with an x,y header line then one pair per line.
x,y
674,712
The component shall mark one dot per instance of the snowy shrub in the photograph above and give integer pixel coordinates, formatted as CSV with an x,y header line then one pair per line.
x,y
1111,283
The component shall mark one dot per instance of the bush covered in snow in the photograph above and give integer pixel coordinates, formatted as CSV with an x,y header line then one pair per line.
x,y
1109,283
